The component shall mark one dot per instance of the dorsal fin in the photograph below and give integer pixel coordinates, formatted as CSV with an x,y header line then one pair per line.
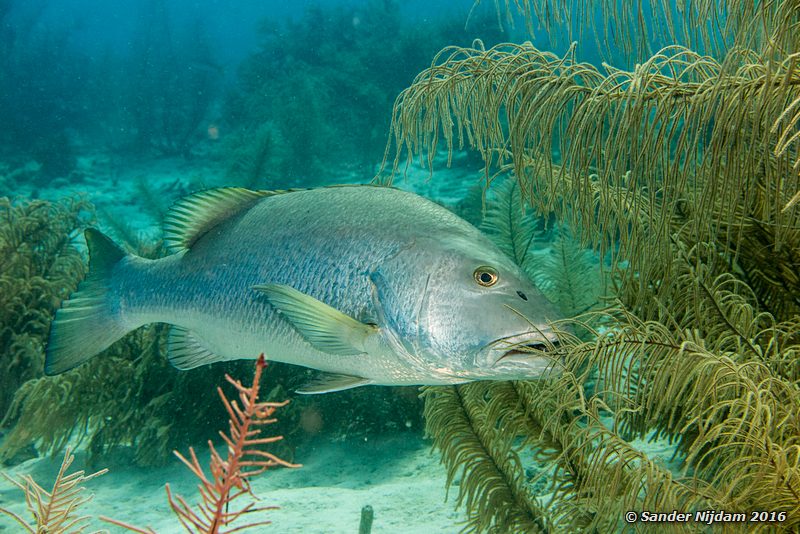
x,y
192,217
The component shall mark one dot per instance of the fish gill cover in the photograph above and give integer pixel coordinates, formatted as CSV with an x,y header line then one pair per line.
x,y
676,161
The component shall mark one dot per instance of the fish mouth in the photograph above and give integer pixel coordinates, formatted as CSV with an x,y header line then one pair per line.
x,y
526,349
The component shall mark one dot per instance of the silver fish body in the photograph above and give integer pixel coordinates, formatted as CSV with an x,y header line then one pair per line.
x,y
372,284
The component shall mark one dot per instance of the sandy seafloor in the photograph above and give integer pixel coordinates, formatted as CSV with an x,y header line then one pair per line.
x,y
399,476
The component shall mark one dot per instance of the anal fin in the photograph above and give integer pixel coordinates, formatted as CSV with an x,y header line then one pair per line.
x,y
186,351
330,382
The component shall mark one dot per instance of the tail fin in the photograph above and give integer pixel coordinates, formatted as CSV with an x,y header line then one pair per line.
x,y
85,325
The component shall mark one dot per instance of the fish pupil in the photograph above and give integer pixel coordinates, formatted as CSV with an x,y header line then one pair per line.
x,y
485,276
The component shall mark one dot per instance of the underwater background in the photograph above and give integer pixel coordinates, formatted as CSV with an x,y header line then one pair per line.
x,y
640,162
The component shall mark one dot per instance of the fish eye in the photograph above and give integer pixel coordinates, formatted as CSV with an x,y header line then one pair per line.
x,y
485,276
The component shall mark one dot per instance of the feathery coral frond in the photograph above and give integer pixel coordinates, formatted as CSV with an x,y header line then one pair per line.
x,y
229,476
38,266
54,511
682,172
509,223
479,448
568,274
635,27
666,125
571,276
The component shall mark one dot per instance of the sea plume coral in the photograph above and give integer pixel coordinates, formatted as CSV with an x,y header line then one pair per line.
x,y
38,266
54,510
682,174
229,477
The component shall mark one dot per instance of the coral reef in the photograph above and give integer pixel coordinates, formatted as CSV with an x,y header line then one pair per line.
x,y
682,175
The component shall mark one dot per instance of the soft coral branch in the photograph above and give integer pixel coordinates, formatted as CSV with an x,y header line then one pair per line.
x,y
54,511
228,479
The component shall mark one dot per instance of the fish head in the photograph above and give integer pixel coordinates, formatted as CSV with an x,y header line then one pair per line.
x,y
482,317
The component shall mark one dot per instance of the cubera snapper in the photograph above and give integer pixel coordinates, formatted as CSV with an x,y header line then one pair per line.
x,y
368,284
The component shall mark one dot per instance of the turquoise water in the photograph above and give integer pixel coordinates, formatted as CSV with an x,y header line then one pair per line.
x,y
132,107
112,113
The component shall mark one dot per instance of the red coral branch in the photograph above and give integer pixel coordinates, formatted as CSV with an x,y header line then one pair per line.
x,y
228,479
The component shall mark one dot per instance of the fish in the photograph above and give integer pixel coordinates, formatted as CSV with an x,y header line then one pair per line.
x,y
368,284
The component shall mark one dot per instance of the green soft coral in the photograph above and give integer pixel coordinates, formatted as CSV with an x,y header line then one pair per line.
x,y
682,175
38,267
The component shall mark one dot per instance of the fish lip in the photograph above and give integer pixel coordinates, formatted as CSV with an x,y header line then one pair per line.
x,y
524,348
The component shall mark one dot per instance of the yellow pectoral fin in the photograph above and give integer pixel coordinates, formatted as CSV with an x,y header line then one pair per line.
x,y
325,327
